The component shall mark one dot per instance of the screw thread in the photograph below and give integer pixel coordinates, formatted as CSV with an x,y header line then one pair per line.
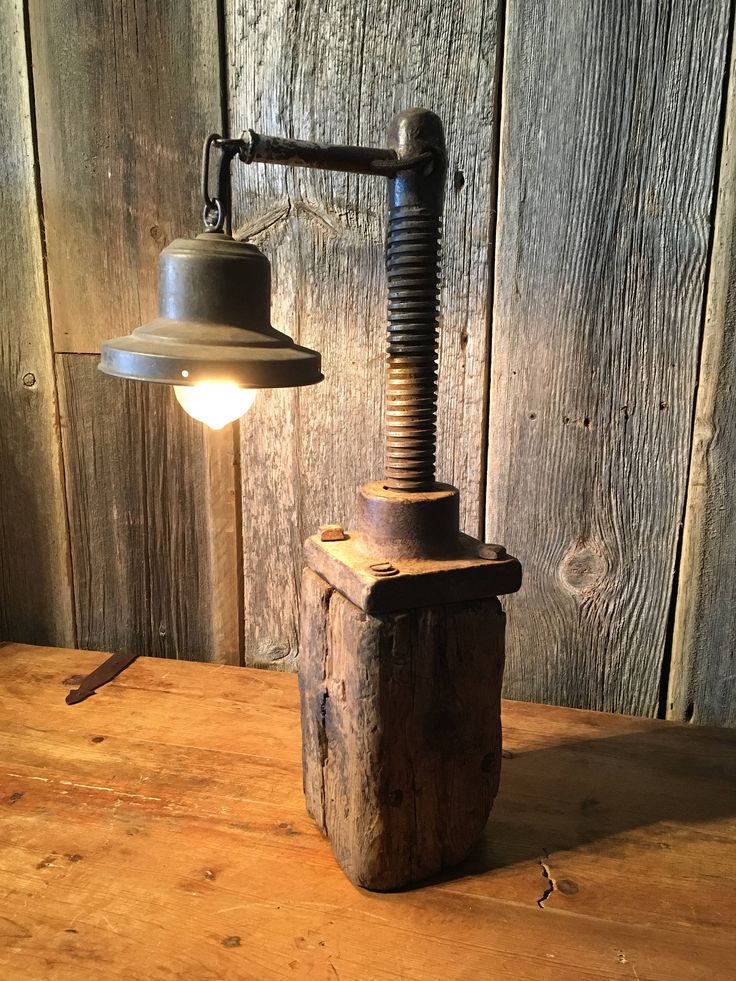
x,y
412,263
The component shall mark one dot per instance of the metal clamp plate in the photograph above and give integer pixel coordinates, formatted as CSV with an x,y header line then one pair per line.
x,y
378,584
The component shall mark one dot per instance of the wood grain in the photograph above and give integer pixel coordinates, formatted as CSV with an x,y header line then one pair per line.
x,y
326,71
174,796
609,142
703,669
401,731
35,582
149,573
126,94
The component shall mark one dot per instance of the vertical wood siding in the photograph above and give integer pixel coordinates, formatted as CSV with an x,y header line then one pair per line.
x,y
608,154
575,347
140,521
35,580
702,683
125,94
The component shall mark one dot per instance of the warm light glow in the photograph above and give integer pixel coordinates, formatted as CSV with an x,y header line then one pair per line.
x,y
215,403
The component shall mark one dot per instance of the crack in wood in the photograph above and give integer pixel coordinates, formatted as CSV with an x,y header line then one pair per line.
x,y
551,881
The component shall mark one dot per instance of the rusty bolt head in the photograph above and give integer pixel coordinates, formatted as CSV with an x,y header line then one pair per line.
x,y
331,533
491,551
383,569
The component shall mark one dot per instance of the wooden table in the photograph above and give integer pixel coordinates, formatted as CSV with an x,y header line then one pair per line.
x,y
157,831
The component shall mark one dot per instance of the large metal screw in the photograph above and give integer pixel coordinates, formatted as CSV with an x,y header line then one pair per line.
x,y
331,533
383,569
490,551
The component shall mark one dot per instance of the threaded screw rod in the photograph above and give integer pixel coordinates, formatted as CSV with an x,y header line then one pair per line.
x,y
412,266
413,271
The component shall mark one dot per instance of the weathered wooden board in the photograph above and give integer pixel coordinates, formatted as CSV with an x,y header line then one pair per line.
x,y
125,95
333,72
174,797
401,731
150,566
35,581
702,683
608,151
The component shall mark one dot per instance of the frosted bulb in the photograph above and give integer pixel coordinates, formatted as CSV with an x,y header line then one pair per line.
x,y
215,403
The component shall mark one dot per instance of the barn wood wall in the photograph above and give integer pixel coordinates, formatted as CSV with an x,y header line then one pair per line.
x,y
586,406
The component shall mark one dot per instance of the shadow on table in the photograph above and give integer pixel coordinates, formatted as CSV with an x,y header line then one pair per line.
x,y
569,794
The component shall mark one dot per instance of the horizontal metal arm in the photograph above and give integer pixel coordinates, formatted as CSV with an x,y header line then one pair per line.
x,y
320,156
254,147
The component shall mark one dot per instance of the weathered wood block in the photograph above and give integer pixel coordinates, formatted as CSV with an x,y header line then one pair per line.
x,y
401,731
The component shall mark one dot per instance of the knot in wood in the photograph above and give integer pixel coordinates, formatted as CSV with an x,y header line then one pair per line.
x,y
583,566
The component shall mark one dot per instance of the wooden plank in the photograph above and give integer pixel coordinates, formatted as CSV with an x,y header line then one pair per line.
x,y
316,70
149,573
35,581
701,684
608,150
126,94
401,731
174,795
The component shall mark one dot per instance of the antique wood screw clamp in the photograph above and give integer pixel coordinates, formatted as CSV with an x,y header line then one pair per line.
x,y
402,634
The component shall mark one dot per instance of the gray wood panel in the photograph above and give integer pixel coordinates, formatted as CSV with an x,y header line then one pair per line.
x,y
609,142
35,582
126,93
145,563
702,684
336,72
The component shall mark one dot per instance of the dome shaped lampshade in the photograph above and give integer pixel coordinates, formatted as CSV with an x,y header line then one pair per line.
x,y
214,324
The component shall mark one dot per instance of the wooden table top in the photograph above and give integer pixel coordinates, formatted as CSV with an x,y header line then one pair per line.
x,y
158,831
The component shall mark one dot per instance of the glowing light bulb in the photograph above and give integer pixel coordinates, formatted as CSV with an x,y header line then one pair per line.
x,y
215,403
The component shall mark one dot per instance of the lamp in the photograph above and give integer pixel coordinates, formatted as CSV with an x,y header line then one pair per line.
x,y
401,632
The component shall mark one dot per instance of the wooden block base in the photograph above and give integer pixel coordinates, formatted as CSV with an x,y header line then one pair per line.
x,y
401,731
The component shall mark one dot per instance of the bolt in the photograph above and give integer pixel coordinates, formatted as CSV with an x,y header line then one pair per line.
x,y
331,533
383,569
29,380
490,551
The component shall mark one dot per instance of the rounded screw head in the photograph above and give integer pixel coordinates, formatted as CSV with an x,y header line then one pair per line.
x,y
383,569
331,533
29,379
490,551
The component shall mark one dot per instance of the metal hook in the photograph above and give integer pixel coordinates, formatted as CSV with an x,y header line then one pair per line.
x,y
216,210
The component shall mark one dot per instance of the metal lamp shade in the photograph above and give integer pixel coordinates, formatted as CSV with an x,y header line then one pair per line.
x,y
214,324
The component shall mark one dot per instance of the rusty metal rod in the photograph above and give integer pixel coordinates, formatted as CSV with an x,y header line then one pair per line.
x,y
257,148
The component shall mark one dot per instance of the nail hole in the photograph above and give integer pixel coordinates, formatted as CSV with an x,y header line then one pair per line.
x,y
458,181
